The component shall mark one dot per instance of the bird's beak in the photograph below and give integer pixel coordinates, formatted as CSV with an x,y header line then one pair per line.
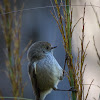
x,y
53,47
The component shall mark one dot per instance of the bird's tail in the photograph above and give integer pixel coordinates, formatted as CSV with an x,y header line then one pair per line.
x,y
43,94
42,97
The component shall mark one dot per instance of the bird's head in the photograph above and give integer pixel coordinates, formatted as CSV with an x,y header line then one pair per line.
x,y
39,50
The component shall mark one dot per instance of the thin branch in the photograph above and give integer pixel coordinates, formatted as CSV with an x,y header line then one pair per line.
x,y
92,85
94,98
25,49
96,15
89,90
96,49
76,24
35,8
15,98
53,9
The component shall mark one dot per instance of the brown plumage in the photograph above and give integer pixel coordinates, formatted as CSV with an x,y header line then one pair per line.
x,y
44,71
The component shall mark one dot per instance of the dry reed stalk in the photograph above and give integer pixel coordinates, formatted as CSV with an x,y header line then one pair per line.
x,y
11,28
75,71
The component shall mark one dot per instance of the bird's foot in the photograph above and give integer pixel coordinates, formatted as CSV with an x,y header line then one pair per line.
x,y
71,89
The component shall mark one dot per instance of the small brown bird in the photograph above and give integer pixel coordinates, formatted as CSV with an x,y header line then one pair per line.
x,y
44,70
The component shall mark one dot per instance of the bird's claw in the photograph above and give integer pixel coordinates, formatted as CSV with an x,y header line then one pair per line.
x,y
72,89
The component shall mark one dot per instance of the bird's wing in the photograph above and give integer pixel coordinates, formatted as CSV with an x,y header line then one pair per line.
x,y
32,74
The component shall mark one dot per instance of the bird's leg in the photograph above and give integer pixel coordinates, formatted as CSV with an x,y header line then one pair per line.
x,y
66,58
71,89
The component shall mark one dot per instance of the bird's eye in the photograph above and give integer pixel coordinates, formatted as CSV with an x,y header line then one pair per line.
x,y
47,48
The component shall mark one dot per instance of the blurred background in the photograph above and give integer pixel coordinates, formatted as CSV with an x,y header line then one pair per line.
x,y
39,25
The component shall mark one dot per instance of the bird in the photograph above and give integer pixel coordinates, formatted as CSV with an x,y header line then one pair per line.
x,y
44,71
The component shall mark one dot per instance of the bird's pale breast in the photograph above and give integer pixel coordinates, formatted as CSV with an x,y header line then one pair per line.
x,y
48,72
